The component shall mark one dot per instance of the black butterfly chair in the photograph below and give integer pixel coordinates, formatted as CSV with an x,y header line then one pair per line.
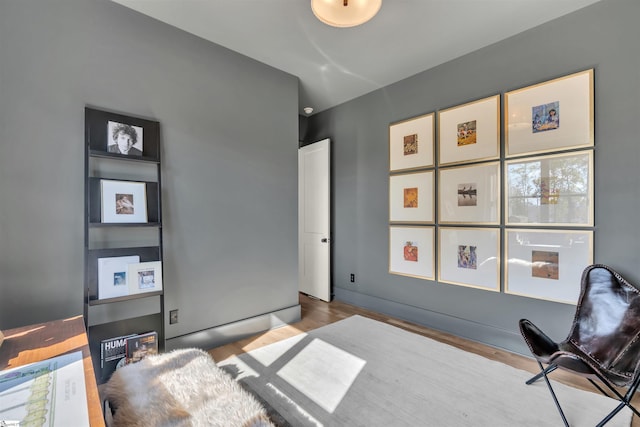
x,y
604,342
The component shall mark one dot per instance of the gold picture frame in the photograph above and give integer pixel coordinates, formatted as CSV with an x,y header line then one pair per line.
x,y
547,264
412,198
469,194
550,116
552,190
469,257
412,251
469,132
411,144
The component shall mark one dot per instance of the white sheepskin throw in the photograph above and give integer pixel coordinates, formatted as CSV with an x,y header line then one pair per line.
x,y
182,388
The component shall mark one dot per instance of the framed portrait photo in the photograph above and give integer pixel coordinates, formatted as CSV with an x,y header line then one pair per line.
x,y
469,194
469,257
469,132
111,134
411,198
547,264
145,277
411,143
123,201
123,138
552,190
550,116
411,251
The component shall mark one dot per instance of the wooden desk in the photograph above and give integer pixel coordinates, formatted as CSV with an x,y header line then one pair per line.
x,y
43,341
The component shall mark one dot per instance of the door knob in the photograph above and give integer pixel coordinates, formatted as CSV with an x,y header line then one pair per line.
x,y
324,240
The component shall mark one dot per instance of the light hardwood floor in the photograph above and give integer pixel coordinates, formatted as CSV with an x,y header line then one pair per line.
x,y
316,313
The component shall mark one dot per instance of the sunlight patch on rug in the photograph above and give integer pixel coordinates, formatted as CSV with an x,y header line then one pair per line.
x,y
322,372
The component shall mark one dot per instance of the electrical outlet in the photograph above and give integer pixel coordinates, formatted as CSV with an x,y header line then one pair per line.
x,y
352,277
173,317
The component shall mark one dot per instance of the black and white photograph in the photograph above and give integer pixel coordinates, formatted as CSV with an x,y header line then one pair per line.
x,y
468,194
124,139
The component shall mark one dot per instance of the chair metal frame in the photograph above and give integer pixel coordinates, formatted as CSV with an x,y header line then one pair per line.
x,y
546,352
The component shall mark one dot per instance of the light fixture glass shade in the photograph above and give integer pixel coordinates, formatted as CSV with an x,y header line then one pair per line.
x,y
345,13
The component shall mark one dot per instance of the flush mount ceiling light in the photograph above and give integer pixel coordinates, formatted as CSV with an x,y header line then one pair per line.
x,y
345,13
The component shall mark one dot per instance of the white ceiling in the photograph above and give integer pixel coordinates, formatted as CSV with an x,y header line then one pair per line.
x,y
335,65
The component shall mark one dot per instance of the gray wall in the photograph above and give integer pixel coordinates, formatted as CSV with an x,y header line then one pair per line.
x,y
603,36
229,131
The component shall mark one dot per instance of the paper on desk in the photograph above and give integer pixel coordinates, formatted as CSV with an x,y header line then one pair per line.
x,y
51,393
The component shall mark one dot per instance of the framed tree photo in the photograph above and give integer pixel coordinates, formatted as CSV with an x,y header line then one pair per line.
x,y
469,194
550,190
411,198
411,144
469,132
123,201
469,257
411,251
550,116
547,264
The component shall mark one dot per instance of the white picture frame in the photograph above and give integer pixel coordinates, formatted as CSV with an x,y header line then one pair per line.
x,y
469,194
123,201
469,257
552,190
469,132
411,198
411,251
411,143
112,276
528,129
145,277
547,264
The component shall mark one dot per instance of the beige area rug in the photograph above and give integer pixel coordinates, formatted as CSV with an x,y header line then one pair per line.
x,y
361,372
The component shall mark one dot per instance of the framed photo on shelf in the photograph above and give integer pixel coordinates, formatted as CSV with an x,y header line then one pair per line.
x,y
411,251
145,277
470,194
112,276
123,201
411,198
550,116
125,139
469,132
411,143
550,190
547,264
469,257
120,135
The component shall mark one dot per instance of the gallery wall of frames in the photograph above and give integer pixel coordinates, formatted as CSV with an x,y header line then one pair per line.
x,y
497,194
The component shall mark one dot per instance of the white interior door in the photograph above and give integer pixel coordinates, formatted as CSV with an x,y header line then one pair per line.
x,y
314,220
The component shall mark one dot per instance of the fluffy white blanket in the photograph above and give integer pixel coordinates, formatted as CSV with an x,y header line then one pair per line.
x,y
182,388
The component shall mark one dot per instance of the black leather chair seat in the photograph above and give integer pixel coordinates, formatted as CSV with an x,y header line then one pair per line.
x,y
603,344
